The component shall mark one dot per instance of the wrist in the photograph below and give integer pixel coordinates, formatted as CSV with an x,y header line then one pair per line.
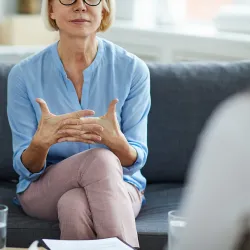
x,y
119,143
38,143
124,151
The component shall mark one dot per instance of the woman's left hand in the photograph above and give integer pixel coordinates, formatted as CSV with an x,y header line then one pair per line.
x,y
109,122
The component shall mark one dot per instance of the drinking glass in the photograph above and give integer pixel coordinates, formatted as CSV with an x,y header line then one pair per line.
x,y
3,226
176,225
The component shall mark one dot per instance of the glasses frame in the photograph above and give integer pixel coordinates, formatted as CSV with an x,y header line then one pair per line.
x,y
82,0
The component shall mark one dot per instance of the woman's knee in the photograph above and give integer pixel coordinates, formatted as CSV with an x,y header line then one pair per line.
x,y
104,162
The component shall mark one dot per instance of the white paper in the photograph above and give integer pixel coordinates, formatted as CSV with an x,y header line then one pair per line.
x,y
104,244
34,246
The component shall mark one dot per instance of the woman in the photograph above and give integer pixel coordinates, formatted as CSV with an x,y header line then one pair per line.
x,y
217,201
82,170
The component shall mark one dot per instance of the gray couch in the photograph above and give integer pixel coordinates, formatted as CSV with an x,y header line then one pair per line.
x,y
183,97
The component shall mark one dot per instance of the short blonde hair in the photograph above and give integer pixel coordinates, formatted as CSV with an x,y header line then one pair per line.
x,y
108,17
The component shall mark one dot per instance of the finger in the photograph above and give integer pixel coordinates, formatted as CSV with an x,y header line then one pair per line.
x,y
81,113
112,106
90,120
70,132
74,139
91,137
73,122
85,128
43,106
83,120
79,134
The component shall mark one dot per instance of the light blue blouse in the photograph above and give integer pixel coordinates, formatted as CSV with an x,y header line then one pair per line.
x,y
114,73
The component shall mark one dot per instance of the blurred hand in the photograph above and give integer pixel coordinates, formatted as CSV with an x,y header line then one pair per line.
x,y
48,132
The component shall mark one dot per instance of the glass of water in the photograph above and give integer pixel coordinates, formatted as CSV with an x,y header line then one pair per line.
x,y
3,226
176,225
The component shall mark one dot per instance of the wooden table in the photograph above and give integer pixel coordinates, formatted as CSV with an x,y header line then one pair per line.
x,y
15,248
22,248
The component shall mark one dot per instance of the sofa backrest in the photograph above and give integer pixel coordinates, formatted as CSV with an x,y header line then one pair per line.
x,y
183,97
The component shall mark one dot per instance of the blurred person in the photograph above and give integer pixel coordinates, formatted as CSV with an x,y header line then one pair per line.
x,y
216,202
80,169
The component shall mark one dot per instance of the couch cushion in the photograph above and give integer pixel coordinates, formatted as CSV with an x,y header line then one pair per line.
x,y
160,199
183,97
6,169
151,222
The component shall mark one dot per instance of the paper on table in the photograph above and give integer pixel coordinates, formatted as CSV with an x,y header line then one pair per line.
x,y
105,244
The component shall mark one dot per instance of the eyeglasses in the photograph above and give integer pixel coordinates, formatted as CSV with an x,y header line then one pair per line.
x,y
88,2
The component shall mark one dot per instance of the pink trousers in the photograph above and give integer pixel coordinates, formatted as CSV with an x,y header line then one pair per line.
x,y
88,196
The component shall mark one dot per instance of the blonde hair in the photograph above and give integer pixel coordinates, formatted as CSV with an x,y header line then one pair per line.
x,y
107,20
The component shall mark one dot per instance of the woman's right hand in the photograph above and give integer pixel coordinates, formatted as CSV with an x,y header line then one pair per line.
x,y
49,125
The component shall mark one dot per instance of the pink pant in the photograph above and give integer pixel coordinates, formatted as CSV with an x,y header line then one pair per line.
x,y
86,192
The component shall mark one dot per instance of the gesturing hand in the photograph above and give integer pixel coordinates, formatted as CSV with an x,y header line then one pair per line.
x,y
111,128
50,125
